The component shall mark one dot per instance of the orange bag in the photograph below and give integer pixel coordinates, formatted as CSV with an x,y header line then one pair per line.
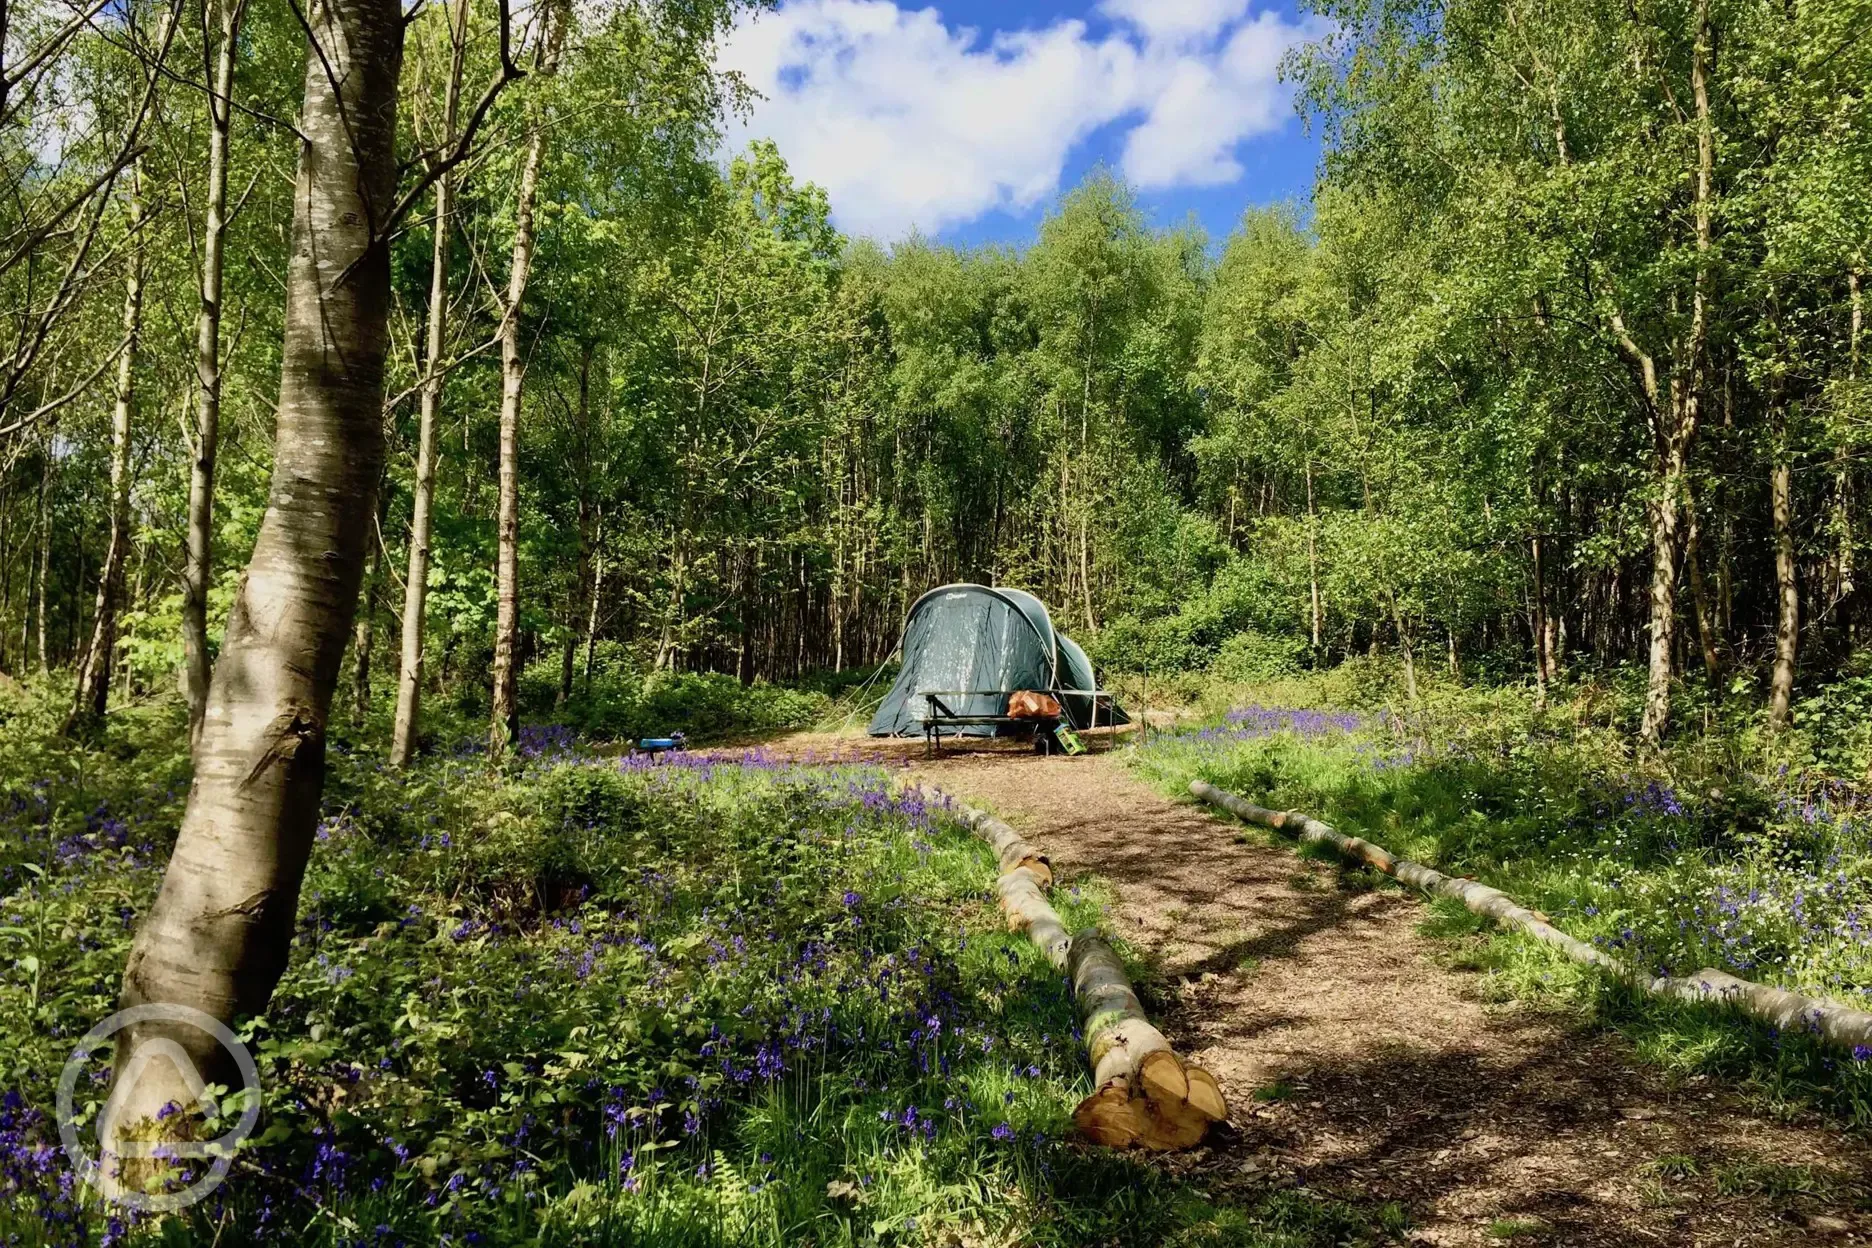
x,y
1030,705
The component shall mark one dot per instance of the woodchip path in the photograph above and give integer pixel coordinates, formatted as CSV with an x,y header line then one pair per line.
x,y
1359,1064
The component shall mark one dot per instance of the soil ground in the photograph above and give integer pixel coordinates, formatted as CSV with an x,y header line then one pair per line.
x,y
1359,1063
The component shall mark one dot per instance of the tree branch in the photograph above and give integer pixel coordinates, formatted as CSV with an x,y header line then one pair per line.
x,y
464,145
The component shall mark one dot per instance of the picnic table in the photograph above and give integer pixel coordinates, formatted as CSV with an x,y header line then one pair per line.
x,y
938,713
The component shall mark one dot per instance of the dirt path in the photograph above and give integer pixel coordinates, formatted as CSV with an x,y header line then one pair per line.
x,y
1357,1064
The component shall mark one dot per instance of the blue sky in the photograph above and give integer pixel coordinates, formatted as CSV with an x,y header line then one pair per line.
x,y
965,119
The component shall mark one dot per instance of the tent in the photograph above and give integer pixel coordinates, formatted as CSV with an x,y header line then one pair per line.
x,y
986,644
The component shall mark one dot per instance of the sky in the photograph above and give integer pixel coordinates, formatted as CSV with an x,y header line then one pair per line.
x,y
966,119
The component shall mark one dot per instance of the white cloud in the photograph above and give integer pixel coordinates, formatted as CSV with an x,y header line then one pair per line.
x,y
908,122
1208,106
1175,19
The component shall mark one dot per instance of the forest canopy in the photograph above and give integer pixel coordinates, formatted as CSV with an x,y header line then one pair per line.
x,y
1560,366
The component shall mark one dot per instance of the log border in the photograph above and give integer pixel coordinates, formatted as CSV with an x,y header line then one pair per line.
x,y
1791,1011
1143,1093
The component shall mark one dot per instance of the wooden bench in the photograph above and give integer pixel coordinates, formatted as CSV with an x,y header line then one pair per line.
x,y
937,713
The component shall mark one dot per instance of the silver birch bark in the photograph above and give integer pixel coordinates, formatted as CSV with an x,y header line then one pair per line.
x,y
416,585
198,556
1844,567
597,597
1686,385
45,558
1787,588
504,723
1317,605
94,672
217,936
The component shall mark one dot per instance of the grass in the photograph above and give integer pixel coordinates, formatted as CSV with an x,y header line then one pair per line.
x,y
1674,1166
1699,858
580,1000
1279,1090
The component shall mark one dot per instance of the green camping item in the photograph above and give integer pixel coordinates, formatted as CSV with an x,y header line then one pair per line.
x,y
976,646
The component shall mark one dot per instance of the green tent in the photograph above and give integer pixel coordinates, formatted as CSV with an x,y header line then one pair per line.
x,y
979,645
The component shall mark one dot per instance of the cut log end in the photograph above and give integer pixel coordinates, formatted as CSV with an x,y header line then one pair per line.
x,y
1107,1117
1147,1096
1166,1105
1206,1094
1039,869
1161,1077
1121,1116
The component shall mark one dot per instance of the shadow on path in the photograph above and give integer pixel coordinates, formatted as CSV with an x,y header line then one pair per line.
x,y
1385,1077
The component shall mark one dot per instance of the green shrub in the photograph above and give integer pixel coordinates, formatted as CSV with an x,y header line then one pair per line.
x,y
623,704
1238,600
1251,656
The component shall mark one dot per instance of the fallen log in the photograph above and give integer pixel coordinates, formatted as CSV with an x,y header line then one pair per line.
x,y
1790,1011
1842,1025
1483,900
1021,888
1011,851
1024,902
1145,1095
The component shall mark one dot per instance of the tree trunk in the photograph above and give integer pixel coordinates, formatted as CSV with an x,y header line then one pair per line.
x,y
1679,427
668,640
568,651
1313,581
198,555
217,937
1845,570
29,573
75,621
94,673
407,721
1787,590
1406,650
581,571
364,635
1707,635
1662,606
504,725
6,577
1537,620
591,619
45,559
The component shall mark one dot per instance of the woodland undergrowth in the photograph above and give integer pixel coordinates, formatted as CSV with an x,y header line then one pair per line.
x,y
588,998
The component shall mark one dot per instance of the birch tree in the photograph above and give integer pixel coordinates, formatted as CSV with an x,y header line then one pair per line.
x,y
217,936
